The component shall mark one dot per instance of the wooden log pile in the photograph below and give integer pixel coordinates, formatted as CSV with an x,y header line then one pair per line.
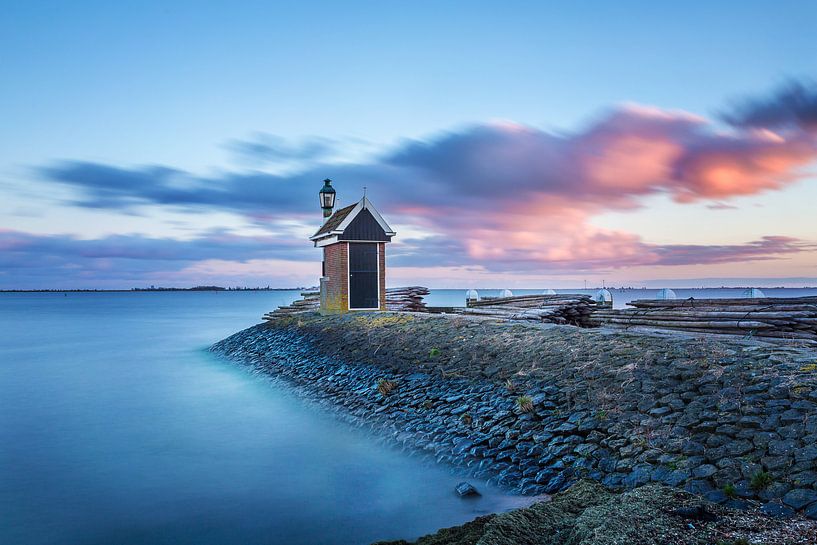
x,y
310,301
558,309
772,318
406,299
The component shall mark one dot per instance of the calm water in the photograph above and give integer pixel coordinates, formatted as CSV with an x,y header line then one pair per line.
x,y
118,428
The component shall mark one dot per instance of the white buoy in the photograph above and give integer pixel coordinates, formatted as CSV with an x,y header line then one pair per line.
x,y
506,293
549,292
666,293
603,297
753,293
472,295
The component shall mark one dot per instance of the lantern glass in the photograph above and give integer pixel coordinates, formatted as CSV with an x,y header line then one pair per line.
x,y
327,200
327,195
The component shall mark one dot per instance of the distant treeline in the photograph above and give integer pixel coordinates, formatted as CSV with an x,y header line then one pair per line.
x,y
152,288
315,288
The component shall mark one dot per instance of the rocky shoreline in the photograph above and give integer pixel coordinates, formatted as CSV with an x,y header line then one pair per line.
x,y
537,408
589,514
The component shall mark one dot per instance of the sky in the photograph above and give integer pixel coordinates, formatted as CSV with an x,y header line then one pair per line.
x,y
509,144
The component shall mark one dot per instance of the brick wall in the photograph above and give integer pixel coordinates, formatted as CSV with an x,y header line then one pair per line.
x,y
382,257
335,296
336,286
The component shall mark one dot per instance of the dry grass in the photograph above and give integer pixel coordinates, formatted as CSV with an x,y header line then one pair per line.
x,y
386,386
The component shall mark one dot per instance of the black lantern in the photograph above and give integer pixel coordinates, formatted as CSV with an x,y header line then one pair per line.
x,y
327,196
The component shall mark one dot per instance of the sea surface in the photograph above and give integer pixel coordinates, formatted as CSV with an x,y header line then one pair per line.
x,y
118,427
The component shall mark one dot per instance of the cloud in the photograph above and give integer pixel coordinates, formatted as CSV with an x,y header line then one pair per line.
x,y
721,206
626,154
48,261
769,247
214,245
263,148
792,106
120,188
554,238
717,282
511,197
40,261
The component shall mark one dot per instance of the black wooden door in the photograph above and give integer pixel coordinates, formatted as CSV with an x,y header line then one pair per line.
x,y
363,291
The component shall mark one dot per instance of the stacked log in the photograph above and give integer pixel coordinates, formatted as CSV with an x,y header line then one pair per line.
x,y
310,301
408,299
558,309
773,318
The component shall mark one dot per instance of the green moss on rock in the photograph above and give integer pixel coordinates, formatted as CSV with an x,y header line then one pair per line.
x,y
588,514
467,534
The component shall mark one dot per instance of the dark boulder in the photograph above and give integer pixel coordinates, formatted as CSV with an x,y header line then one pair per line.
x,y
466,489
697,512
777,510
799,498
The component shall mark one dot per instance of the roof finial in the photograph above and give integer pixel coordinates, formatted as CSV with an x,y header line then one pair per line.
x,y
364,190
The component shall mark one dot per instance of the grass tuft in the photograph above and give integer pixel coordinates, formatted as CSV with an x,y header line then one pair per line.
x,y
385,386
524,403
760,480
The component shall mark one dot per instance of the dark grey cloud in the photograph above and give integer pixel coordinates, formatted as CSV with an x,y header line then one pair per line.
x,y
769,247
212,245
38,261
611,163
793,105
444,252
118,188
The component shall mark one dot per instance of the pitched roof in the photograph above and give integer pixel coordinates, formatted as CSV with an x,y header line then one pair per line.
x,y
335,220
341,219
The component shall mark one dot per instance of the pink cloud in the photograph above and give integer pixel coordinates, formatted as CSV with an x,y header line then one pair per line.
x,y
743,166
527,197
513,197
629,153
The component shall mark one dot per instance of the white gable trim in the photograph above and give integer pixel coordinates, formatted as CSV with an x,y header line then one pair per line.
x,y
349,217
326,241
367,204
362,204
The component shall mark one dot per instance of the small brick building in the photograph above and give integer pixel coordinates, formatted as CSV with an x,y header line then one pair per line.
x,y
353,240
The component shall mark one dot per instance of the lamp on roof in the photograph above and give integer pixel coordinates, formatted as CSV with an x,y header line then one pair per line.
x,y
327,197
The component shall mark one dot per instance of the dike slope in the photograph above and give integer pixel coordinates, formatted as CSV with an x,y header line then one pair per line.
x,y
536,409
587,514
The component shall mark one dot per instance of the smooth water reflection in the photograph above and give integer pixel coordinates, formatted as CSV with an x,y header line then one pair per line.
x,y
118,427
